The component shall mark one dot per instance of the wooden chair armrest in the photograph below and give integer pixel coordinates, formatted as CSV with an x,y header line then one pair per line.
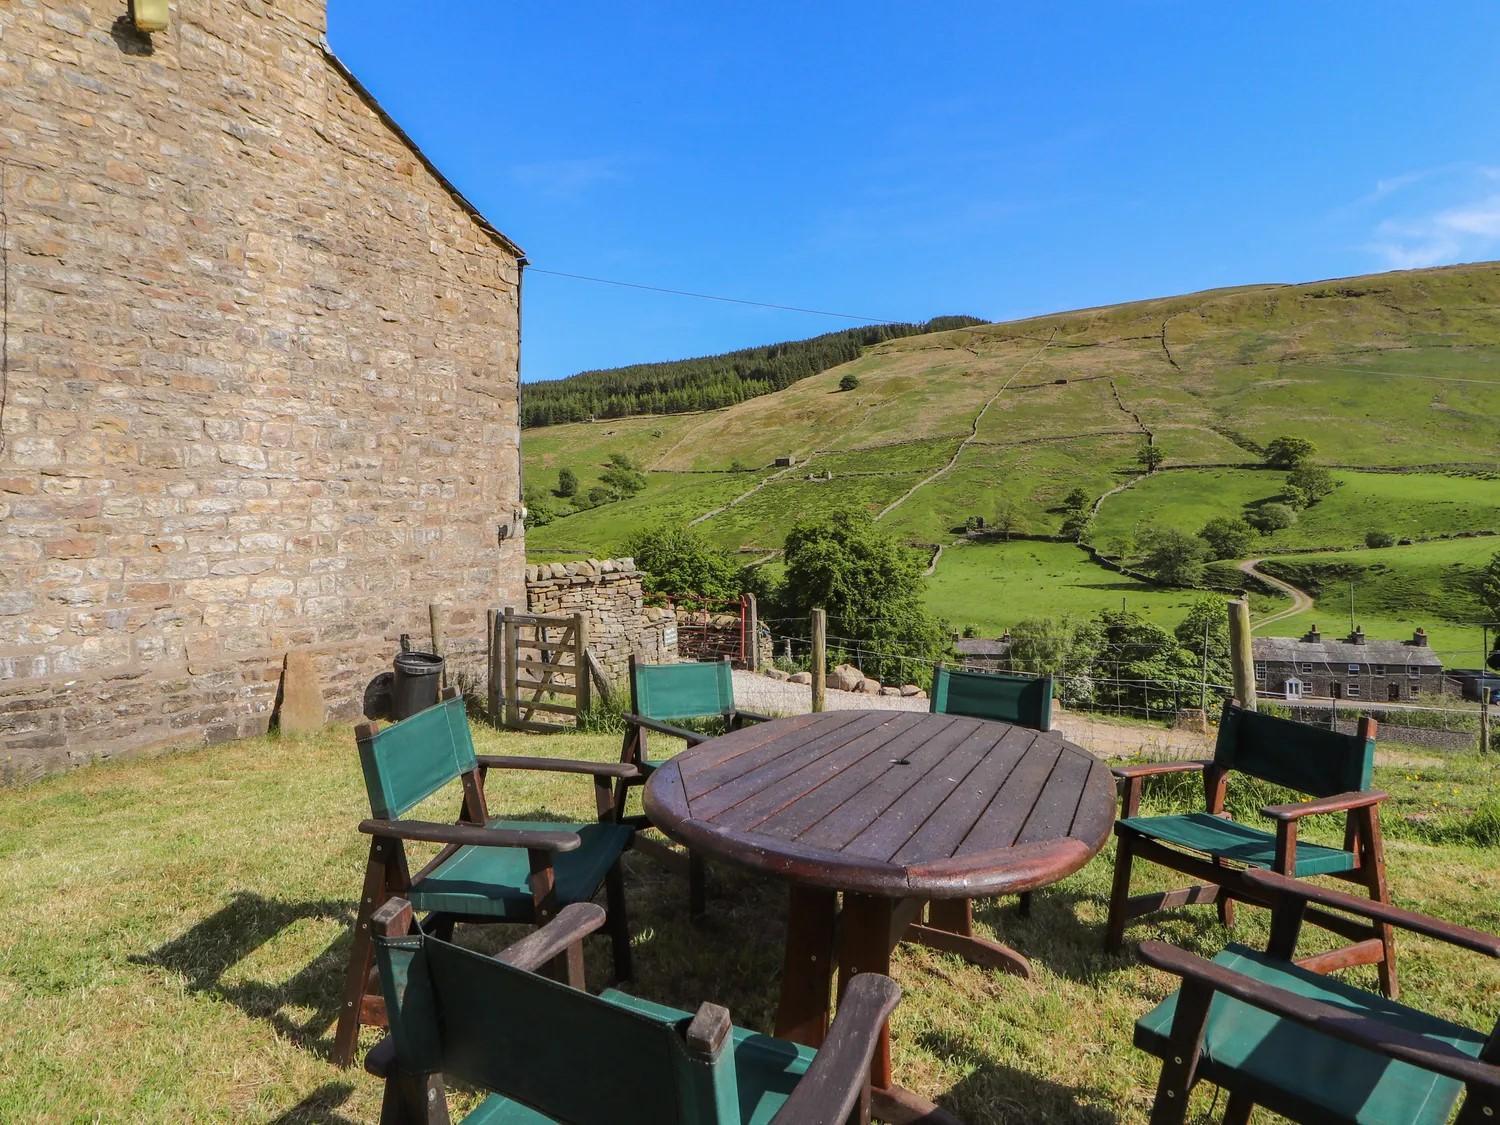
x,y
572,924
738,718
1339,802
558,765
838,1076
475,835
1274,885
691,737
380,1060
1151,769
1340,1023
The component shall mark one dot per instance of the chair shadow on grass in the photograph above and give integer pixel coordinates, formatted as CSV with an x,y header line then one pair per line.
x,y
319,1106
1055,936
206,953
993,1093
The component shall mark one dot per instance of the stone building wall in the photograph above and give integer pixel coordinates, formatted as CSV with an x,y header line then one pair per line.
x,y
609,593
259,379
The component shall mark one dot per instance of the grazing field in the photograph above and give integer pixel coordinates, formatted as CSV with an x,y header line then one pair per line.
x,y
180,928
1395,590
994,585
1407,505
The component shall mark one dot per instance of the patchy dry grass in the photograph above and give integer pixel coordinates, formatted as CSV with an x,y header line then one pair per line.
x,y
175,930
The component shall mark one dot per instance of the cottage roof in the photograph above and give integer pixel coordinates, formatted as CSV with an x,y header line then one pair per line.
x,y
979,646
1293,651
447,185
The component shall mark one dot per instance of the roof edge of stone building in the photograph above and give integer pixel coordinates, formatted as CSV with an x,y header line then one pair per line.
x,y
489,228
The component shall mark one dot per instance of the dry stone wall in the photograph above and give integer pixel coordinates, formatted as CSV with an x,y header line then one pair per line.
x,y
609,594
260,374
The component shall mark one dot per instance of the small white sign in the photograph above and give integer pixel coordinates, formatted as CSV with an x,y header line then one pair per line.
x,y
669,636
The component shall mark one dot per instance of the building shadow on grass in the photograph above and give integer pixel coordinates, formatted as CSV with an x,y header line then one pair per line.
x,y
207,953
994,1093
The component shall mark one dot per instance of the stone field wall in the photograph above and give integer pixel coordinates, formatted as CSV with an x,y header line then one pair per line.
x,y
259,380
609,593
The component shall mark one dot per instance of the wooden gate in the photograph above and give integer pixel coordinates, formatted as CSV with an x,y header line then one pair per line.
x,y
546,671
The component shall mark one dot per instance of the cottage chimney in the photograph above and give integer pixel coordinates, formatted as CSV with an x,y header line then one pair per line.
x,y
1313,637
1005,637
1358,636
1419,638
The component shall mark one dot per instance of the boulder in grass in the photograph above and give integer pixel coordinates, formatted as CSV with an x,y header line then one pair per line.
x,y
912,690
777,674
893,691
868,687
800,678
846,677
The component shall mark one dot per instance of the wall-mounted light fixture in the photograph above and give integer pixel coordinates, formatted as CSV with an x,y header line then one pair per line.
x,y
149,15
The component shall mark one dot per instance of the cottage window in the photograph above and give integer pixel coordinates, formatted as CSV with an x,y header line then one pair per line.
x,y
1414,672
1260,669
1307,669
1353,689
1377,669
1354,669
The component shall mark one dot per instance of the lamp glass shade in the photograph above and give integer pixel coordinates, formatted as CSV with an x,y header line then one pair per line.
x,y
150,15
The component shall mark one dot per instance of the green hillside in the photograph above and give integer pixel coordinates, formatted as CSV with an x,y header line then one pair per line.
x,y
1395,371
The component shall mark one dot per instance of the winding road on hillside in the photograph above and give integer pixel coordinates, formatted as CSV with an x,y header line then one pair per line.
x,y
1301,600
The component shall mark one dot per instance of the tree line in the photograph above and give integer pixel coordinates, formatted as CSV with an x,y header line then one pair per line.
x,y
707,382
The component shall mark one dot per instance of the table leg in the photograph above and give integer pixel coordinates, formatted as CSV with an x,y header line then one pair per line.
x,y
807,972
950,928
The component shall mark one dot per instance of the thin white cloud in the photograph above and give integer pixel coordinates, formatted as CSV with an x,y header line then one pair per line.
x,y
1464,226
567,178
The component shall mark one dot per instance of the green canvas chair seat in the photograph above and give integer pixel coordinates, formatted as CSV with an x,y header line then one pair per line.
x,y
1228,839
547,1051
1316,1077
766,1070
1271,1030
495,883
661,695
1002,697
1332,770
488,869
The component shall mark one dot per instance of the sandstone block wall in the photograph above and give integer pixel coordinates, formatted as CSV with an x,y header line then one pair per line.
x,y
259,379
608,593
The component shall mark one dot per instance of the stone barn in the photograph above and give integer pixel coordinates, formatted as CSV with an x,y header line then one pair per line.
x,y
258,386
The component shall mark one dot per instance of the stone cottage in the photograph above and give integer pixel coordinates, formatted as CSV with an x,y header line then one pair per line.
x,y
258,386
1351,667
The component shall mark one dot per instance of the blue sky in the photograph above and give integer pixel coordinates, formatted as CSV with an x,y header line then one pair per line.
x,y
903,161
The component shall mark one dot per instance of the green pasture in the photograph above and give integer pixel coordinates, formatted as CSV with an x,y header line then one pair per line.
x,y
179,929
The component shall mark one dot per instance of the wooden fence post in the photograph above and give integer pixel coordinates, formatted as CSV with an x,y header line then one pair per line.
x,y
1241,653
437,616
1484,690
581,679
511,640
494,666
752,658
819,659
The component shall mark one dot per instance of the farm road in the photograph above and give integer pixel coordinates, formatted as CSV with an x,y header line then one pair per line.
x,y
1301,600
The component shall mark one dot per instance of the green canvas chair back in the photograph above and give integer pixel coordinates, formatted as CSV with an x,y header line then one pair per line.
x,y
565,1053
1001,696
407,762
682,691
1308,759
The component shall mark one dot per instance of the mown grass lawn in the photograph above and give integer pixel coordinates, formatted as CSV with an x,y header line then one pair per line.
x,y
175,930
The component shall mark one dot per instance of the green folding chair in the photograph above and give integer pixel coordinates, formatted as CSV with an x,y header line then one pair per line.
x,y
488,870
1003,697
1333,768
1273,1033
660,693
546,1051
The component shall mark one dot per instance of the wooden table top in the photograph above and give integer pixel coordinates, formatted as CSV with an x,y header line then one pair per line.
x,y
891,803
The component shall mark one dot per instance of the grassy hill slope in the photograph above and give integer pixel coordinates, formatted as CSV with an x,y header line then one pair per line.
x,y
1391,371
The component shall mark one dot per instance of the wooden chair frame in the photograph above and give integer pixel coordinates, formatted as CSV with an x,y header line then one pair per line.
x,y
1292,901
835,1089
388,874
634,755
1221,884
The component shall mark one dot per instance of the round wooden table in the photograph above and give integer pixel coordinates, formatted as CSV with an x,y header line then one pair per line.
x,y
901,812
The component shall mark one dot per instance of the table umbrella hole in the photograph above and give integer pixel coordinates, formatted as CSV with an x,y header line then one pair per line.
x,y
900,761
